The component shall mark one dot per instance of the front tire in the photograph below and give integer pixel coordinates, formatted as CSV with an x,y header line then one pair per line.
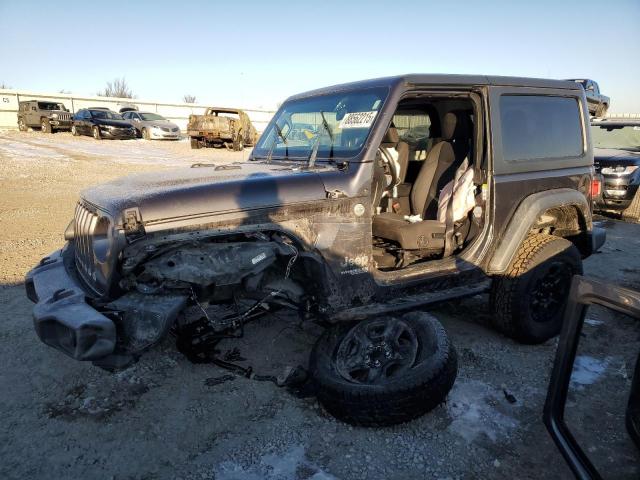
x,y
74,131
145,134
95,131
384,371
45,126
528,301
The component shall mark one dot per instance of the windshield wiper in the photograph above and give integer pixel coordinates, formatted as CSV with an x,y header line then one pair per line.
x,y
311,161
275,141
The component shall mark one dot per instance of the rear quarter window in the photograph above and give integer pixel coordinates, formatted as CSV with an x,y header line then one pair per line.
x,y
540,127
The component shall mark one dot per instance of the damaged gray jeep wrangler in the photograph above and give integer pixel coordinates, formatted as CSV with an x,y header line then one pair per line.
x,y
389,196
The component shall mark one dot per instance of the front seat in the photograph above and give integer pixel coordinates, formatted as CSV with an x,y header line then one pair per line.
x,y
437,170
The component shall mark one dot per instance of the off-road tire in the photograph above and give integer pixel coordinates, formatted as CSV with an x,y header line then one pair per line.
x,y
95,132
411,395
145,134
21,125
195,143
45,126
632,212
512,294
74,131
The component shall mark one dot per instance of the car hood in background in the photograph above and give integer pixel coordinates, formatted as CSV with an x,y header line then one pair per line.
x,y
193,192
614,156
157,123
112,123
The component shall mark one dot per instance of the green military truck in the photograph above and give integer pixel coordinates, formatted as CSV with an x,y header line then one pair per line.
x,y
221,127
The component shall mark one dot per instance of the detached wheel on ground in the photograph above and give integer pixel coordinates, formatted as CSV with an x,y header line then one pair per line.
x,y
384,371
95,131
528,301
632,212
45,126
195,143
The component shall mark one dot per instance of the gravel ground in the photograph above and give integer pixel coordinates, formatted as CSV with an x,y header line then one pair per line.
x,y
166,418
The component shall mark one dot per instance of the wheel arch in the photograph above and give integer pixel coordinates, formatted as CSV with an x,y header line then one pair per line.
x,y
562,212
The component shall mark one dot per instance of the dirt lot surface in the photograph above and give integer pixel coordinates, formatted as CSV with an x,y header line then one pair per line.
x,y
166,418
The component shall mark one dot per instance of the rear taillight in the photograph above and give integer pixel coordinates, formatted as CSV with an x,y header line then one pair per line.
x,y
596,187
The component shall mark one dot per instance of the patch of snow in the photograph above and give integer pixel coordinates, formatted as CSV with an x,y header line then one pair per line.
x,y
593,322
472,414
273,467
587,370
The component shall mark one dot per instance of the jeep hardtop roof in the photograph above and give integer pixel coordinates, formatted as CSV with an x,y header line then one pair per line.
x,y
444,80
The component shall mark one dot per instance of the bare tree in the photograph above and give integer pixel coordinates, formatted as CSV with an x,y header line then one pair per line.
x,y
118,88
189,98
4,85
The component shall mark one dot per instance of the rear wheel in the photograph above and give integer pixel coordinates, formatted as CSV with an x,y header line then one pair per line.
x,y
96,133
45,126
632,212
384,371
21,125
528,301
238,144
195,143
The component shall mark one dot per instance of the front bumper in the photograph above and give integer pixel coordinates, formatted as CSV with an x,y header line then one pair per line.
x,y
61,124
117,134
617,192
62,317
162,135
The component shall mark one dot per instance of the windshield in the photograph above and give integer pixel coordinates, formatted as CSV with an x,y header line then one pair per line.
x,y
106,114
50,106
622,137
300,124
151,116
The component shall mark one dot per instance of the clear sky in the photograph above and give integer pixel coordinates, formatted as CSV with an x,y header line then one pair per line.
x,y
252,54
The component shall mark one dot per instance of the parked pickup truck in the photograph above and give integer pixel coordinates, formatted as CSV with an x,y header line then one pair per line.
x,y
226,127
598,104
348,224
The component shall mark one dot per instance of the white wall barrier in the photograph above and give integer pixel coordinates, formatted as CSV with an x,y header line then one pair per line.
x,y
176,112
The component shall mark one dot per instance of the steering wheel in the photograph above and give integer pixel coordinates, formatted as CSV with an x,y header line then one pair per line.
x,y
392,167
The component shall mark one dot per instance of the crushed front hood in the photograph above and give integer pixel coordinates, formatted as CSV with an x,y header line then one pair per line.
x,y
205,190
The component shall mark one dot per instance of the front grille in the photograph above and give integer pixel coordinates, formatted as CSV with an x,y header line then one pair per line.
x,y
65,117
85,223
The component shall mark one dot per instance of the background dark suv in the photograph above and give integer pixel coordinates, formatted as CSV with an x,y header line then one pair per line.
x,y
616,153
101,123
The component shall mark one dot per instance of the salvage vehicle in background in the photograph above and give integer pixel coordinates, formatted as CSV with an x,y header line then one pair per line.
x,y
49,117
350,226
597,102
101,123
226,127
616,150
152,126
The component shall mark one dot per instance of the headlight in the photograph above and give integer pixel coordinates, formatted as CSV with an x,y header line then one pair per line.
x,y
619,170
102,238
54,115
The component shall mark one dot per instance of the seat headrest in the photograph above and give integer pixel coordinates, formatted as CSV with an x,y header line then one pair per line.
x,y
391,136
455,124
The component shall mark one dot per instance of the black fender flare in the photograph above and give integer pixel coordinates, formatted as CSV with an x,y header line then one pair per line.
x,y
525,218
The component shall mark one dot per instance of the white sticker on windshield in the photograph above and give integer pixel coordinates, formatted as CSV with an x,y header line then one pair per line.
x,y
357,120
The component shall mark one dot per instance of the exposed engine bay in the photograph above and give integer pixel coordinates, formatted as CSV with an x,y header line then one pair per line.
x,y
200,290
